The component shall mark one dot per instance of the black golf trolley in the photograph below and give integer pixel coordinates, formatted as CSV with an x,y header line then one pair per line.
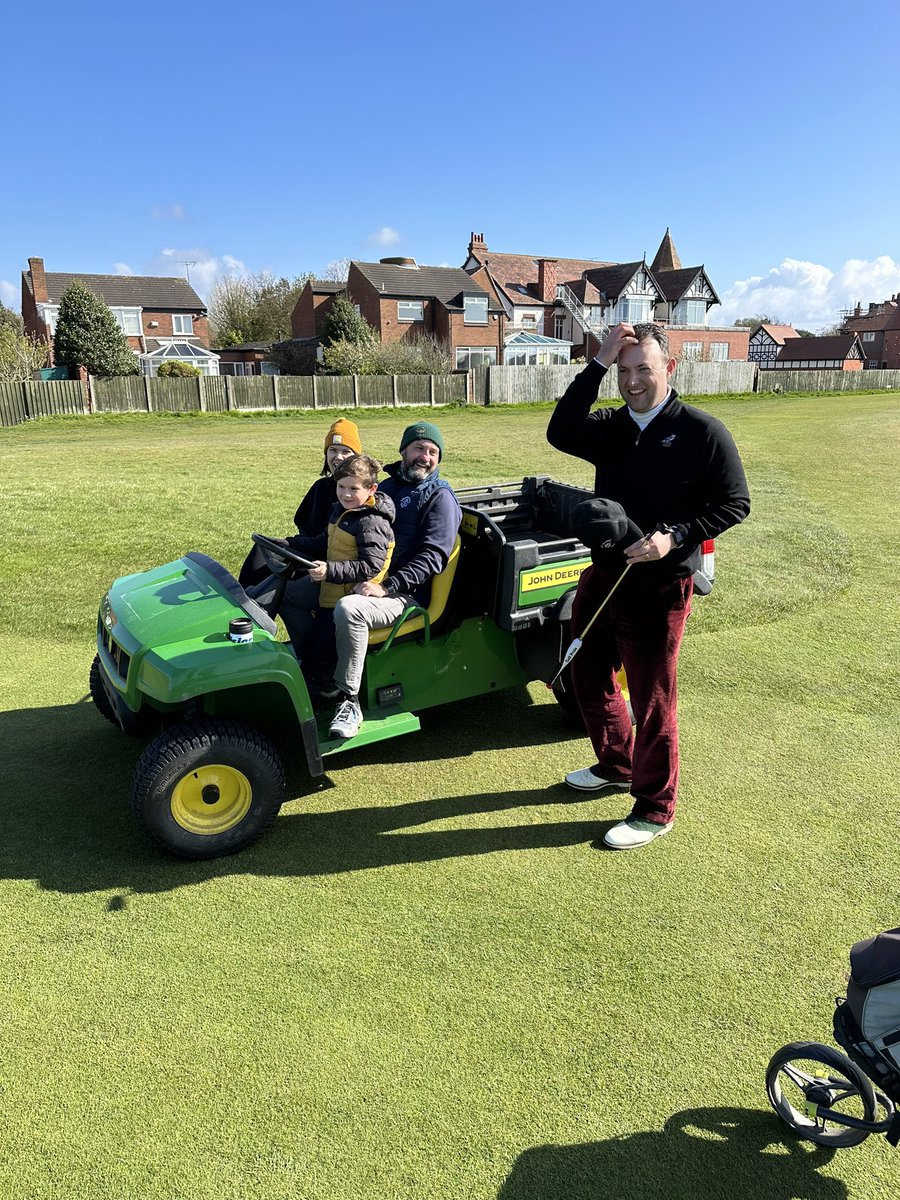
x,y
828,1096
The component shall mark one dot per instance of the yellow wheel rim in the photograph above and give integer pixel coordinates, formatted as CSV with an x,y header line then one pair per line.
x,y
212,799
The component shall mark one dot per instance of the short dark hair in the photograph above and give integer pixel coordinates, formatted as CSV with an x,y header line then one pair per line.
x,y
648,332
361,467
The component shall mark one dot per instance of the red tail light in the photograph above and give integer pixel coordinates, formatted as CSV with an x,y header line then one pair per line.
x,y
708,547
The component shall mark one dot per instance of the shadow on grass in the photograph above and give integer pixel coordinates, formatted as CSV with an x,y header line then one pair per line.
x,y
67,824
709,1153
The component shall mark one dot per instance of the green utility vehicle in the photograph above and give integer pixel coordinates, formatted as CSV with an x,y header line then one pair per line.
x,y
184,650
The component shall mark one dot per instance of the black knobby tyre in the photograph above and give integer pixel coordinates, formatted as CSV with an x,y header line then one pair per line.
x,y
207,787
834,1075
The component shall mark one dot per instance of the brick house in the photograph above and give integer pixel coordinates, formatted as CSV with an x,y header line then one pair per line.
x,y
250,358
163,318
878,331
313,306
402,300
578,300
839,352
766,344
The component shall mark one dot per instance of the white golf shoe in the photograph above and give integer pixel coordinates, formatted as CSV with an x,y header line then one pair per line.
x,y
634,833
586,781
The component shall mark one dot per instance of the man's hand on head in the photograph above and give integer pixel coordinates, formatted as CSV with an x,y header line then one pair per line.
x,y
619,337
654,546
369,589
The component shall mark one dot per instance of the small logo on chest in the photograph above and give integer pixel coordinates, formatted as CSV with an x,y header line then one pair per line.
x,y
667,441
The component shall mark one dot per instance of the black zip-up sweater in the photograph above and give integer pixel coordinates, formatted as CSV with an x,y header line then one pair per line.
x,y
683,470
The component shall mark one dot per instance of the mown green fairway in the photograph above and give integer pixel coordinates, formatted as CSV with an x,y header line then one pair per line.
x,y
426,983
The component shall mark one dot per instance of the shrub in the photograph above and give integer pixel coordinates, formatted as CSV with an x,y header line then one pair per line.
x,y
175,369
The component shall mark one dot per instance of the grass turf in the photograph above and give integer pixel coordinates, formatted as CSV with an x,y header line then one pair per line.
x,y
426,982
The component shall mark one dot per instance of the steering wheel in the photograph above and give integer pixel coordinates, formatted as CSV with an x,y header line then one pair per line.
x,y
280,558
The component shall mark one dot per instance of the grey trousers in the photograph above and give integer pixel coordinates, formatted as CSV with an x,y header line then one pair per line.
x,y
354,616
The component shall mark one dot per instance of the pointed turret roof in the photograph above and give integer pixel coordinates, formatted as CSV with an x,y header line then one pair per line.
x,y
666,256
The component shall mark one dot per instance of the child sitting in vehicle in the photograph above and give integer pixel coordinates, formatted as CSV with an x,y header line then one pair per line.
x,y
355,548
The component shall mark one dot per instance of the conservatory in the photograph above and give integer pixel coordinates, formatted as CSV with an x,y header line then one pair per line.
x,y
535,349
158,352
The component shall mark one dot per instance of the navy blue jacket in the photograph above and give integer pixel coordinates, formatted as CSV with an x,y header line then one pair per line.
x,y
425,528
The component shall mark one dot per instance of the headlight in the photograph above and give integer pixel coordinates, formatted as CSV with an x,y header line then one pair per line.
x,y
106,612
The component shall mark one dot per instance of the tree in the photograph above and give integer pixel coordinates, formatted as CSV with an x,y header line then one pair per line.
x,y
20,354
253,308
336,271
87,336
805,333
9,319
345,324
753,323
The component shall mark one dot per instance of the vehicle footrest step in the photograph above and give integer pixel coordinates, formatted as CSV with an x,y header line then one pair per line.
x,y
378,725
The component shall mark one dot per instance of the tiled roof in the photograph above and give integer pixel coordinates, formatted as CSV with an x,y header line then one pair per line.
x,y
666,257
835,346
127,291
611,281
675,283
327,287
510,269
779,333
869,323
444,283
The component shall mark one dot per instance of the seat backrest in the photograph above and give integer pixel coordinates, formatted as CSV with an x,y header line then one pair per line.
x,y
440,593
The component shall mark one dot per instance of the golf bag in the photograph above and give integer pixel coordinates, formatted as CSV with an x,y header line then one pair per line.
x,y
867,1022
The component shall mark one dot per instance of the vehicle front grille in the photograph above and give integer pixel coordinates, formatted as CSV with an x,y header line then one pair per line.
x,y
119,658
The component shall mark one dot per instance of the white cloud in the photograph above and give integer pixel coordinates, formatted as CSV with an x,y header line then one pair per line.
x,y
385,236
200,264
9,293
809,295
170,212
123,269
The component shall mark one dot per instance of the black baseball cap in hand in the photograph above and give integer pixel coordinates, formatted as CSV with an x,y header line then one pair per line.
x,y
605,528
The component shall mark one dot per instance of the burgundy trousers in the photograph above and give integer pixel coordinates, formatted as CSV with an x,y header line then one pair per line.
x,y
640,629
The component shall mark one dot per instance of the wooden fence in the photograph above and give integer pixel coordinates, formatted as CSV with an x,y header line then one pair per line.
x,y
484,385
531,385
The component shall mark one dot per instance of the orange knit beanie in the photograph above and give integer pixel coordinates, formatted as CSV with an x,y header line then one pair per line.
x,y
344,433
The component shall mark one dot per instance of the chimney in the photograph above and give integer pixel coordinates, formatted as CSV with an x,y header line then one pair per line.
x,y
38,280
547,279
477,246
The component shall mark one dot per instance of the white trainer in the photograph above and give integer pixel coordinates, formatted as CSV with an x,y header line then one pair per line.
x,y
586,781
634,833
347,719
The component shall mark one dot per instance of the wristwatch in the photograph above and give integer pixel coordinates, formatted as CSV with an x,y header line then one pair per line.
x,y
674,532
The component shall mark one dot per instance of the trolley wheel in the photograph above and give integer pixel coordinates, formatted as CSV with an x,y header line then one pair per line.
x,y
806,1077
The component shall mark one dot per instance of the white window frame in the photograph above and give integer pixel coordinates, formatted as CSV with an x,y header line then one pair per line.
x,y
718,351
466,352
683,312
868,337
559,326
182,318
692,351
125,316
405,306
640,316
475,310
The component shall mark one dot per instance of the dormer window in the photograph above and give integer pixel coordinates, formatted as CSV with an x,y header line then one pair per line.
x,y
690,312
475,310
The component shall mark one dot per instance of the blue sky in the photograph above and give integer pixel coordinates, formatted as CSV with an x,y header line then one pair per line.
x,y
284,136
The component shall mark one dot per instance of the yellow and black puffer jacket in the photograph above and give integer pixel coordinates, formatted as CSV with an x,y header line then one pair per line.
x,y
359,547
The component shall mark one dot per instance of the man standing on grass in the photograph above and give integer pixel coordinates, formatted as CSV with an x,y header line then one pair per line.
x,y
677,473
